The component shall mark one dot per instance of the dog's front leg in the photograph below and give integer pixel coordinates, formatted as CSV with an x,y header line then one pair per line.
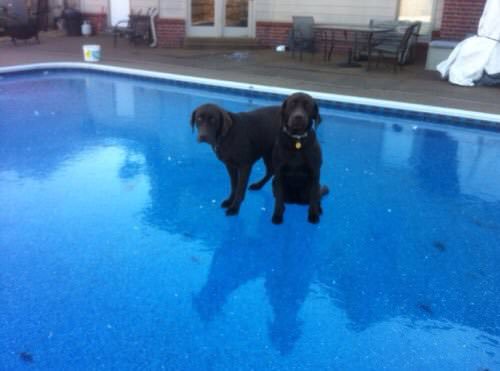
x,y
233,176
279,199
241,186
314,200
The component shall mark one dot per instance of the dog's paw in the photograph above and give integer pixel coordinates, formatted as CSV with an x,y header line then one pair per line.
x,y
313,217
277,219
226,203
255,186
232,210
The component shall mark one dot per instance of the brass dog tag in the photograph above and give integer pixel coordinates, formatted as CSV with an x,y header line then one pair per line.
x,y
298,145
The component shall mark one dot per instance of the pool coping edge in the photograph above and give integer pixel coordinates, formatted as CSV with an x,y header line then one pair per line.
x,y
485,118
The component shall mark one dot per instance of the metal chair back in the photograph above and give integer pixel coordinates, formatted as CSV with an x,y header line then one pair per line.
x,y
303,27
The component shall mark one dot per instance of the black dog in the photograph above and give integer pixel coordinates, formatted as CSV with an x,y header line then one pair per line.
x,y
239,140
297,158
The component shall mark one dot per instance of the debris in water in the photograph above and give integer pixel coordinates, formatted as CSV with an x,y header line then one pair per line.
x,y
26,357
397,128
425,308
439,245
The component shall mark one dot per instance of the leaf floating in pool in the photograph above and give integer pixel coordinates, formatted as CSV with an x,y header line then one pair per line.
x,y
425,308
485,224
397,128
195,259
440,246
26,357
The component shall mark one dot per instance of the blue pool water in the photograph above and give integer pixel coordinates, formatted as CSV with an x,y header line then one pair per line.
x,y
115,254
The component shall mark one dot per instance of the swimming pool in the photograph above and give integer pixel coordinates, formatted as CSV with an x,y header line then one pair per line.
x,y
115,254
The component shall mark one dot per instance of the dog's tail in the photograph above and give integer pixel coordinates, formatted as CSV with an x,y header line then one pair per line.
x,y
324,190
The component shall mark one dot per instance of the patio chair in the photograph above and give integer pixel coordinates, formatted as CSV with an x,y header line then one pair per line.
x,y
364,40
135,29
412,46
397,46
301,36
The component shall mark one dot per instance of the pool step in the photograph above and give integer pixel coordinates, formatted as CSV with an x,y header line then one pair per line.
x,y
221,43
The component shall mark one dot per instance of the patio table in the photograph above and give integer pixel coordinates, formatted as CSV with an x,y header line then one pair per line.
x,y
328,29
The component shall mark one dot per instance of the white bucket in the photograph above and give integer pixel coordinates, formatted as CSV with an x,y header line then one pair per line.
x,y
92,53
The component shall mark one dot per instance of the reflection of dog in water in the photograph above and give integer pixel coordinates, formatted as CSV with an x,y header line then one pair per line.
x,y
287,269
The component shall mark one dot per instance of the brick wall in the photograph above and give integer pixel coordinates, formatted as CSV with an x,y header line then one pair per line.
x,y
170,32
272,33
460,17
97,20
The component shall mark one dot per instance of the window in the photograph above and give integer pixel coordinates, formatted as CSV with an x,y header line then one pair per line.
x,y
423,11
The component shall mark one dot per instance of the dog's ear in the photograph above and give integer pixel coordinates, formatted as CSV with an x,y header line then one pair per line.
x,y
316,116
283,115
193,119
226,121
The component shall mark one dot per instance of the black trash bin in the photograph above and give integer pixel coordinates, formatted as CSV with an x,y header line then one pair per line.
x,y
72,22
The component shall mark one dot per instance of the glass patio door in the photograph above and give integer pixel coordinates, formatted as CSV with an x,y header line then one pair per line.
x,y
204,20
220,18
236,18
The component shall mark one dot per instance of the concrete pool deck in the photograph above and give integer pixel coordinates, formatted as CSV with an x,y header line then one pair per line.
x,y
265,67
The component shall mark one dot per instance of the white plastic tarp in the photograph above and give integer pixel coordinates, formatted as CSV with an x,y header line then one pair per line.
x,y
477,54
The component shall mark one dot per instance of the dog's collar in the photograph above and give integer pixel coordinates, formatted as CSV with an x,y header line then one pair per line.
x,y
297,137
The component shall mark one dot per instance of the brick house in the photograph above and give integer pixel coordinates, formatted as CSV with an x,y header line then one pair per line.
x,y
267,22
